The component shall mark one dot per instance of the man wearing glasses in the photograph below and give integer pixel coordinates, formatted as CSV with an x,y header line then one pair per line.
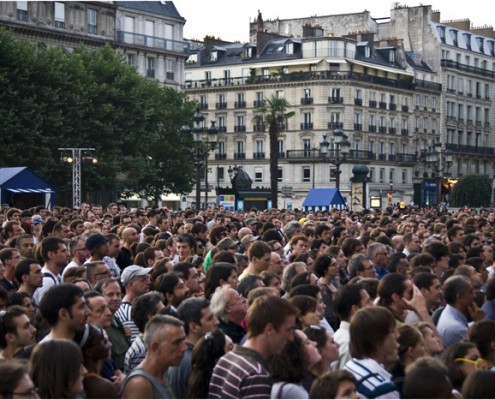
x,y
378,254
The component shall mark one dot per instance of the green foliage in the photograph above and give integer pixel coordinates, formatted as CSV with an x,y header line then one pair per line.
x,y
50,99
472,190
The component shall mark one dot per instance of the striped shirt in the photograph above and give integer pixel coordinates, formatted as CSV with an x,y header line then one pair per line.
x,y
134,355
373,381
240,374
123,314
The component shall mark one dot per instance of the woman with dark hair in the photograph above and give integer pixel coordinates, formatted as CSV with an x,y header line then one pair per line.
x,y
328,349
479,385
15,382
337,253
56,368
291,366
462,359
308,311
327,270
207,351
96,350
338,384
220,274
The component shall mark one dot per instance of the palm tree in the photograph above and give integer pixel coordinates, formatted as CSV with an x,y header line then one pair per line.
x,y
273,113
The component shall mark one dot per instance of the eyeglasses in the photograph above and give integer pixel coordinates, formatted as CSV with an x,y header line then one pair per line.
x,y
102,273
479,364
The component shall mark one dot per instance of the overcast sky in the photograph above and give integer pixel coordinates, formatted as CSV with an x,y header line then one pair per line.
x,y
229,19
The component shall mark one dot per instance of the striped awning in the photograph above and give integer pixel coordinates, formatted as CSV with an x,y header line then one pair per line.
x,y
19,190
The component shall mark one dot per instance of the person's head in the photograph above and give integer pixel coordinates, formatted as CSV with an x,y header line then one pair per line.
x,y
432,341
220,274
325,266
259,255
97,271
391,290
483,335
100,314
54,251
228,305
328,349
378,254
249,283
350,298
164,337
380,342
145,307
96,347
461,360
340,384
56,368
275,319
479,385
16,329
360,265
290,272
189,274
15,382
430,287
28,272
197,316
25,245
308,311
136,279
65,304
458,292
173,288
411,344
111,291
186,246
435,383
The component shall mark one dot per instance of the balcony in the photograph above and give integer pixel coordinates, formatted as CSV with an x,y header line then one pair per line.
x,y
220,156
405,158
258,128
372,128
372,103
316,156
259,156
391,157
306,125
259,103
174,46
358,102
240,128
335,125
358,127
382,105
466,68
392,106
222,129
382,157
203,106
240,104
239,156
281,154
392,131
404,132
382,129
221,105
335,100
405,108
306,100
468,149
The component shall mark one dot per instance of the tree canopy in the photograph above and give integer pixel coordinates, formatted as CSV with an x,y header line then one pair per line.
x,y
473,190
51,99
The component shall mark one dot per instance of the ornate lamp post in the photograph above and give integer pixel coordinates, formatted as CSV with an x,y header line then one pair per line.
x,y
440,162
339,154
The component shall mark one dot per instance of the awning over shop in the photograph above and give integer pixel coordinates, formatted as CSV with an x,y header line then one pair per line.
x,y
323,199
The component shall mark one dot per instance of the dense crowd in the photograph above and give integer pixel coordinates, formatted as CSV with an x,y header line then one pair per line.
x,y
156,303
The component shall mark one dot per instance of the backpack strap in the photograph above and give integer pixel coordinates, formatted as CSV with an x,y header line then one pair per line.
x,y
48,275
382,388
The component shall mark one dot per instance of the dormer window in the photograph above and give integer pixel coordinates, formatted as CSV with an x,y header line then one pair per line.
x,y
441,31
391,57
289,48
479,41
367,51
248,52
467,39
453,33
214,55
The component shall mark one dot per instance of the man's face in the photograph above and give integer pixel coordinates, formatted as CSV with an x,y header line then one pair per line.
x,y
113,296
369,271
171,345
26,248
180,293
79,229
114,248
132,237
100,314
263,263
141,284
236,306
184,250
192,281
25,331
433,295
275,263
60,257
78,315
208,321
365,299
14,259
101,272
381,257
35,276
300,247
81,251
413,245
285,334
17,230
64,232
326,236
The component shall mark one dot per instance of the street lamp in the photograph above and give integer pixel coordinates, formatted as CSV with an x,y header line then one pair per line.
x,y
205,141
75,159
440,162
341,152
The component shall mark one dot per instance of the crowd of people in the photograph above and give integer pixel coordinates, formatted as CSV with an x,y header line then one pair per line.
x,y
156,303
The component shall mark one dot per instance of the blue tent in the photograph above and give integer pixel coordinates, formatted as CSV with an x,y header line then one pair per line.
x,y
23,188
323,199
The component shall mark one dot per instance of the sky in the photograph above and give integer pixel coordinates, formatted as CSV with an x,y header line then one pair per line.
x,y
229,19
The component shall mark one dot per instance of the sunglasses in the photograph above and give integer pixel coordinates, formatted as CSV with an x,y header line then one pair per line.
x,y
479,364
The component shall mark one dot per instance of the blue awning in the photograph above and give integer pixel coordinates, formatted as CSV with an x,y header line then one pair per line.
x,y
323,199
19,190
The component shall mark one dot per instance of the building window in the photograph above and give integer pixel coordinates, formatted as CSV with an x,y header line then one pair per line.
x,y
391,175
150,67
91,20
332,174
22,11
280,174
131,60
259,146
404,176
59,15
170,70
258,174
220,174
306,172
372,174
382,175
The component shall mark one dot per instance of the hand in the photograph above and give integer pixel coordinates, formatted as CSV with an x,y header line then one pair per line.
x,y
127,331
417,302
475,313
117,379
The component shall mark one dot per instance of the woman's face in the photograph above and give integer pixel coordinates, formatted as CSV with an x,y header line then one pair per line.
x,y
432,342
467,368
232,279
310,318
275,283
77,388
25,389
346,390
418,350
310,350
333,268
341,260
330,352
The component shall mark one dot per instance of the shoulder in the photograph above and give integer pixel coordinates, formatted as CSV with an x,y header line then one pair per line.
x,y
137,387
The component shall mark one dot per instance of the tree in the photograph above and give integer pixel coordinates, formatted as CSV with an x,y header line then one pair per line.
x,y
273,113
473,190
